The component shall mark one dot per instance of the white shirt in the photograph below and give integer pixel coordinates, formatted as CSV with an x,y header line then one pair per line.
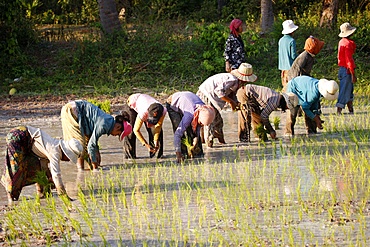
x,y
49,151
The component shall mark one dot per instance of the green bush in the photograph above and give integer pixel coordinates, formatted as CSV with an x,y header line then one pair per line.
x,y
103,105
166,56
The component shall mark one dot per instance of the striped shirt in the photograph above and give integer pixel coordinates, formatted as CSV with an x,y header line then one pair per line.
x,y
267,98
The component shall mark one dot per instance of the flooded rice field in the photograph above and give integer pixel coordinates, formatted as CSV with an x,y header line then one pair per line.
x,y
302,191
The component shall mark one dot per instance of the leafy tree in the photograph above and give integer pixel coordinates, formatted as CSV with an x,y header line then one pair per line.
x,y
15,30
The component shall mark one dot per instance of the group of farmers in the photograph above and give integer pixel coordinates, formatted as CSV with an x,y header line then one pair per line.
x,y
195,117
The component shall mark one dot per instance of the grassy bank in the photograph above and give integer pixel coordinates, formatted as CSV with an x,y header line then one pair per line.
x,y
160,58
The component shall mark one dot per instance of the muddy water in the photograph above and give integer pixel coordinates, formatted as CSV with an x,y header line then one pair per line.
x,y
111,148
225,168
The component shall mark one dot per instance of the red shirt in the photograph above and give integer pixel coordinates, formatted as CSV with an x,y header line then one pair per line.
x,y
346,49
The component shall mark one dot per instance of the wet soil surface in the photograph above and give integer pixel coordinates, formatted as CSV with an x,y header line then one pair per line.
x,y
232,167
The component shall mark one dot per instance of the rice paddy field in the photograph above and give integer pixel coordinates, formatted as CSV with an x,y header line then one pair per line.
x,y
301,191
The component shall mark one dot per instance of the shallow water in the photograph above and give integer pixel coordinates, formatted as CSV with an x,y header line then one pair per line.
x,y
112,155
237,193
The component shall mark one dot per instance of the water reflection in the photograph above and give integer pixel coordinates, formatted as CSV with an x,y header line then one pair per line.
x,y
231,154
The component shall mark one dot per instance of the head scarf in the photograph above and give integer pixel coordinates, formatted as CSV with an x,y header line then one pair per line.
x,y
204,114
234,25
127,129
313,45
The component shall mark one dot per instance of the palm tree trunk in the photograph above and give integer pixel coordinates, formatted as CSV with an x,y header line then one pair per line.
x,y
267,15
329,13
109,16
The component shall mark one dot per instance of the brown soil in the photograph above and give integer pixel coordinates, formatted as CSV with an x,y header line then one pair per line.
x,y
17,107
39,106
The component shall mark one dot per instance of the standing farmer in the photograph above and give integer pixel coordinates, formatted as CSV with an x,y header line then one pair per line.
x,y
346,63
234,48
287,50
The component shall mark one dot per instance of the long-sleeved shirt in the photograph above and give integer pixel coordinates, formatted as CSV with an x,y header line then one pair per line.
x,y
93,123
287,52
268,100
185,103
302,65
234,51
140,103
48,149
307,90
218,86
346,49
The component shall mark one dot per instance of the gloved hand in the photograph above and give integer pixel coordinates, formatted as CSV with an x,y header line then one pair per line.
x,y
318,122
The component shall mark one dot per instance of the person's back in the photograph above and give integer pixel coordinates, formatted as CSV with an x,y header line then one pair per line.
x,y
303,64
92,117
287,50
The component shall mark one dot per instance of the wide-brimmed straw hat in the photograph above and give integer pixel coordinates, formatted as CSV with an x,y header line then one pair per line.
x,y
72,149
244,73
346,30
291,100
329,89
289,27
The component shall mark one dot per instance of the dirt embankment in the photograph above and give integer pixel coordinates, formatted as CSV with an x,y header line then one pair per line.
x,y
17,107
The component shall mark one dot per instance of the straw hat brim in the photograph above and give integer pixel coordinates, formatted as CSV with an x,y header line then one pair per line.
x,y
324,92
288,100
246,78
290,30
330,97
347,33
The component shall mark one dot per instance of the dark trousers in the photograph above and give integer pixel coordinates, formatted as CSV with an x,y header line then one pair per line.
x,y
189,134
292,115
129,142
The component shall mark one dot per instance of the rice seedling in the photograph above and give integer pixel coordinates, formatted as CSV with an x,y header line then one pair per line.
x,y
302,191
276,121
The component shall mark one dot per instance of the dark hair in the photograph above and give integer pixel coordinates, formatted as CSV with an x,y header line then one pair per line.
x,y
124,116
282,104
155,113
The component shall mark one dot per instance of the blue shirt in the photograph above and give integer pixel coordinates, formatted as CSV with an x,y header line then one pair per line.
x,y
287,52
93,123
307,90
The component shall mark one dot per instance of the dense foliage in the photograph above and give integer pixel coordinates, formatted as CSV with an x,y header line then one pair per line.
x,y
165,46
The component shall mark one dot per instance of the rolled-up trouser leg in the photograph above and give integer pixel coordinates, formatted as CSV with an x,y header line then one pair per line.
x,y
291,117
217,128
244,124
